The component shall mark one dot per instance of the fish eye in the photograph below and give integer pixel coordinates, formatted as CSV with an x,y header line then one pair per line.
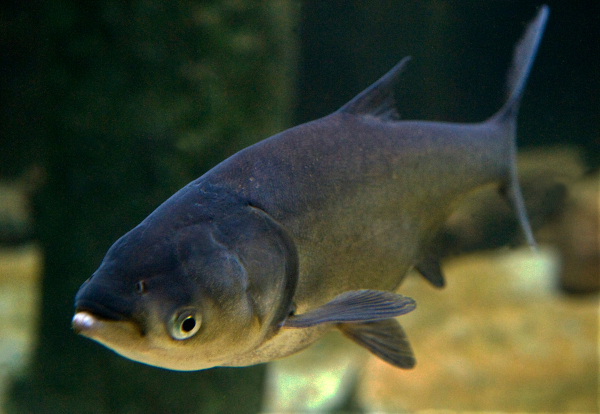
x,y
185,324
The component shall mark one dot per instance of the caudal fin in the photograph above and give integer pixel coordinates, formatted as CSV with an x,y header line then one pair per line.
x,y
523,58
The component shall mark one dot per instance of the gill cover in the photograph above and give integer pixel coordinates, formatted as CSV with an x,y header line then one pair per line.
x,y
244,240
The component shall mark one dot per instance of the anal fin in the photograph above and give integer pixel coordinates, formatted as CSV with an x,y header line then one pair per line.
x,y
385,339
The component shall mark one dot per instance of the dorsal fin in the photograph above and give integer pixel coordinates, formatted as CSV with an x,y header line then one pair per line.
x,y
378,99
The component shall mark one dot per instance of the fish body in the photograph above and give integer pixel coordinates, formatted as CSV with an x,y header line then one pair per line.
x,y
352,217
311,229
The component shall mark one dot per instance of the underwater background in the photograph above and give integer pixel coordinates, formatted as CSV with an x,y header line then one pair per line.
x,y
109,107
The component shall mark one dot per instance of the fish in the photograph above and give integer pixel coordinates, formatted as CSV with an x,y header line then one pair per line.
x,y
310,230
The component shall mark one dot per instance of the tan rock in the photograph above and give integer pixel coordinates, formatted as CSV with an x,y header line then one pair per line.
x,y
497,338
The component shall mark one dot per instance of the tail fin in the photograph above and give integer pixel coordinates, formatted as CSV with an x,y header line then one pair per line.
x,y
523,58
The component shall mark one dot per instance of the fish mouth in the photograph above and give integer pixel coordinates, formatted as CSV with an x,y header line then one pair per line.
x,y
90,314
106,332
99,311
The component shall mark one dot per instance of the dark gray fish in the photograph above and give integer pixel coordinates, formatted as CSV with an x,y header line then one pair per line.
x,y
311,229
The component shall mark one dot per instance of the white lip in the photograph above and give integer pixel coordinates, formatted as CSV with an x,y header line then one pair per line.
x,y
84,322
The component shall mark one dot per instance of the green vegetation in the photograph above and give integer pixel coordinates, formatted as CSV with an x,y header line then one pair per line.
x,y
133,100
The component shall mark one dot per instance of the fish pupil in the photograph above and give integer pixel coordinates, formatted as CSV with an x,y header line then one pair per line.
x,y
188,324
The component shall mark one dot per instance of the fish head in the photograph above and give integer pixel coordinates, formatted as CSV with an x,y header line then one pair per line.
x,y
190,294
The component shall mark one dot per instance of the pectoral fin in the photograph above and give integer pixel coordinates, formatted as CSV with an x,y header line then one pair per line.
x,y
386,339
354,306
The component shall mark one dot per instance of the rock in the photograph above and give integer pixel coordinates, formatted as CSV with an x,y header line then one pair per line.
x,y
576,234
499,337
20,271
317,380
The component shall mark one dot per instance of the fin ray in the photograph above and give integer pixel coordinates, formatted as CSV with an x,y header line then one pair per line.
x,y
385,339
354,306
